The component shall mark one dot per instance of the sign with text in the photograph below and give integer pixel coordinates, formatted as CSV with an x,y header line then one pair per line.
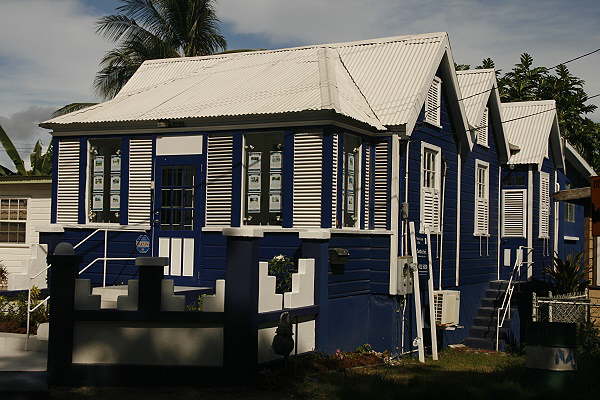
x,y
422,254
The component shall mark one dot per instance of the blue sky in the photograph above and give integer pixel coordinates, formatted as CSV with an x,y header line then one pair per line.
x,y
49,52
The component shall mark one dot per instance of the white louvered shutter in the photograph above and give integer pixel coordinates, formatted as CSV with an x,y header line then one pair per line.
x,y
367,187
433,102
430,188
514,209
482,130
482,206
308,167
219,180
544,205
334,185
380,197
140,181
67,196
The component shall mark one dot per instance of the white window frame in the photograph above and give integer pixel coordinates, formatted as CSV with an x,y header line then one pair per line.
x,y
88,187
358,194
434,117
524,216
482,130
570,206
479,164
18,221
541,205
425,147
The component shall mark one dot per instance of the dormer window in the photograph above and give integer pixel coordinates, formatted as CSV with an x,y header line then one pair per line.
x,y
105,180
433,103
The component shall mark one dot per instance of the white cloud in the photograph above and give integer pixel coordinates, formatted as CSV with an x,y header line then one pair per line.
x,y
49,53
552,31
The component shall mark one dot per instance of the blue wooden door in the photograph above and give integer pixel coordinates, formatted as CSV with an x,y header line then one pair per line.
x,y
178,215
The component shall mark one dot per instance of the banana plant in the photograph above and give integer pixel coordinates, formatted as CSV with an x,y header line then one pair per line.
x,y
41,162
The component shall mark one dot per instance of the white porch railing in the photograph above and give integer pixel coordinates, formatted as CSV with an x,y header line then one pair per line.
x,y
504,309
104,259
29,309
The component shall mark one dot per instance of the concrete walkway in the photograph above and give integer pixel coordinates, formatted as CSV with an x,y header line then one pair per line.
x,y
22,373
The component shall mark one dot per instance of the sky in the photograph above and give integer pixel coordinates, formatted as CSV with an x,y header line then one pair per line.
x,y
49,51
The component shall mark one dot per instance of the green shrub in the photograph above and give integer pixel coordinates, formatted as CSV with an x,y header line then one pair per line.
x,y
282,267
13,313
569,275
3,275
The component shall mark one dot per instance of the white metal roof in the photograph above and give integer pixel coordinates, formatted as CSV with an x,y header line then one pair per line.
x,y
578,161
476,86
480,88
380,82
533,127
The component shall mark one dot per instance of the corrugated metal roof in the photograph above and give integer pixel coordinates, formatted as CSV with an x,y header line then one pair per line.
x,y
578,161
379,82
475,86
15,179
528,124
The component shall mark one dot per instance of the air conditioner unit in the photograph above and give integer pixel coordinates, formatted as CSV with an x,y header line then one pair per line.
x,y
447,307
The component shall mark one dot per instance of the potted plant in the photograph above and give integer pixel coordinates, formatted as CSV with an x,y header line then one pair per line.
x,y
569,275
282,267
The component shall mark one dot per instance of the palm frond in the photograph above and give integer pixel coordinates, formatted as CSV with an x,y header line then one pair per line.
x,y
12,152
69,108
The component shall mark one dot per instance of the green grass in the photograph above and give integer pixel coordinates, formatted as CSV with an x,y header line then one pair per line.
x,y
457,375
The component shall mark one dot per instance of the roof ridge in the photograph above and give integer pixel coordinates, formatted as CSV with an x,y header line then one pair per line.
x,y
528,103
382,40
475,71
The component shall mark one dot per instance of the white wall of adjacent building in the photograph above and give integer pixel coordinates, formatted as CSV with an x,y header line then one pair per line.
x,y
24,259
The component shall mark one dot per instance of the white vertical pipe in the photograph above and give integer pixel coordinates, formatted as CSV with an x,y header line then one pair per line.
x,y
530,223
105,255
458,169
418,312
498,217
432,325
394,199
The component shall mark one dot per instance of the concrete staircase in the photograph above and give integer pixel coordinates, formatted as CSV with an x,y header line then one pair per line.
x,y
482,334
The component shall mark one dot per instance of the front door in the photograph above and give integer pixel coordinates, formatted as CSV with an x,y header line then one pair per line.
x,y
178,214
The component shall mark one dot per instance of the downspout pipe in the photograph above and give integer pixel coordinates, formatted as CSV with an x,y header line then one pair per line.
x,y
444,172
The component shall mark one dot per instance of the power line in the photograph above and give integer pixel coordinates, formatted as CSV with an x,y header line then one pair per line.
x,y
489,90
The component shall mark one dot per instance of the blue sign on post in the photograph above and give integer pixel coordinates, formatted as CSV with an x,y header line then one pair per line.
x,y
142,244
422,255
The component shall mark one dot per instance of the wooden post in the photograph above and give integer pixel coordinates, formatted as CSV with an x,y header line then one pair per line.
x,y
417,294
432,325
240,354
61,283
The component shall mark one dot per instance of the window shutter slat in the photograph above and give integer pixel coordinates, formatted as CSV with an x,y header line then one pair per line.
x,y
513,213
544,225
140,181
334,183
219,180
308,167
367,186
380,186
482,130
433,102
67,197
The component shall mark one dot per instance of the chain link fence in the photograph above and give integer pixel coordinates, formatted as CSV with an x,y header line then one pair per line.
x,y
570,308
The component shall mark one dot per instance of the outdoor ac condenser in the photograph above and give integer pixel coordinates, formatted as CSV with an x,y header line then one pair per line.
x,y
447,307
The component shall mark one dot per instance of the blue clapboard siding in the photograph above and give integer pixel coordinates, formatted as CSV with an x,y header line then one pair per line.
x,y
571,178
446,139
367,269
479,255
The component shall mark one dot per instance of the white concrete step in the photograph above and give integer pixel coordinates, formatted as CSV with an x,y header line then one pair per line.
x,y
15,342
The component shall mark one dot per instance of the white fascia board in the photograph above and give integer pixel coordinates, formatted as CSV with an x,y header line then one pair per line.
x,y
495,114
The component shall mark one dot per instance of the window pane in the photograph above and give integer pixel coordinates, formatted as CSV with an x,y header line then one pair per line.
x,y
166,176
188,177
165,217
176,198
166,197
188,197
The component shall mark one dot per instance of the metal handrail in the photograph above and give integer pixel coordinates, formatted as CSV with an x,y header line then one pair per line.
x,y
505,307
105,259
29,309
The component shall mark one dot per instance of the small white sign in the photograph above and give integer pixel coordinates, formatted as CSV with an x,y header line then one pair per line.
x,y
115,182
254,160
275,160
350,203
99,164
115,202
275,183
253,203
275,202
98,182
254,182
115,164
350,162
97,202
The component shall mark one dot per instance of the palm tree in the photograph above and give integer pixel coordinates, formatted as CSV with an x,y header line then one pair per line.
x,y
150,29
41,163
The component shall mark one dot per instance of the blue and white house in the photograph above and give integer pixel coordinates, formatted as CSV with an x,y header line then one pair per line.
x,y
345,143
